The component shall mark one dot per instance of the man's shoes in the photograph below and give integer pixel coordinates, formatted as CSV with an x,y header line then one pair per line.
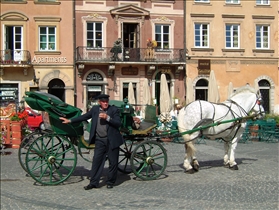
x,y
89,187
109,186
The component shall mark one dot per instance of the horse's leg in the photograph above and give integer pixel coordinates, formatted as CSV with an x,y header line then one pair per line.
x,y
189,159
226,156
186,164
232,163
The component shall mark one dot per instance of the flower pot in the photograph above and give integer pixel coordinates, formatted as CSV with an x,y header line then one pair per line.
x,y
15,126
16,129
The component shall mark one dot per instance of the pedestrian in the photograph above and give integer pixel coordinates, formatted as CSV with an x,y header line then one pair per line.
x,y
105,134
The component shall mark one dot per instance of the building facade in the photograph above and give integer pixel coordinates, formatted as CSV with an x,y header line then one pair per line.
x,y
122,42
77,50
238,40
37,51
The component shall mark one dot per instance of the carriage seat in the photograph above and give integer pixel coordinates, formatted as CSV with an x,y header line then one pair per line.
x,y
149,122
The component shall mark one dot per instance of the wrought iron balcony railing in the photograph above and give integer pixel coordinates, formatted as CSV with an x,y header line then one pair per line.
x,y
118,54
15,57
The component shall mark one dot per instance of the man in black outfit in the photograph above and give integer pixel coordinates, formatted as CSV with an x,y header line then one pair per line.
x,y
107,138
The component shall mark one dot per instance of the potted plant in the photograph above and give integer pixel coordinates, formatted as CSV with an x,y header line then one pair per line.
x,y
18,121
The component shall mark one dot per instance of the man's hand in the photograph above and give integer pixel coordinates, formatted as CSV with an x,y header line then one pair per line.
x,y
65,120
103,115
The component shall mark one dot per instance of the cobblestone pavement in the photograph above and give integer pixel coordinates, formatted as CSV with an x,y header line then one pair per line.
x,y
253,186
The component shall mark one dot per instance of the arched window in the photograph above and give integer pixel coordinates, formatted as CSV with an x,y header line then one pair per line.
x,y
264,86
201,90
94,76
95,87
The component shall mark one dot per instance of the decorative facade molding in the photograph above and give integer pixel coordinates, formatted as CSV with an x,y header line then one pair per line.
x,y
233,66
265,17
203,15
47,19
56,74
233,16
129,12
162,19
260,62
14,16
93,16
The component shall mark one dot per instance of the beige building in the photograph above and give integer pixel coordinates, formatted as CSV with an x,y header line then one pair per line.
x,y
36,49
238,39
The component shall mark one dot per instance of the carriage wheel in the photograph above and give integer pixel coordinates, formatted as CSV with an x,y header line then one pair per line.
x,y
149,160
125,154
24,145
51,159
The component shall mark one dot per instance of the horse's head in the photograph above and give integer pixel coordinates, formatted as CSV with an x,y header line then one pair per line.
x,y
257,110
249,100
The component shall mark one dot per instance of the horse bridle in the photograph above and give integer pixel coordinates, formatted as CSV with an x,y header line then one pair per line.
x,y
258,102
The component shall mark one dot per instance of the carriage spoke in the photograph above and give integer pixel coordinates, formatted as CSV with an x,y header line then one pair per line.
x,y
50,162
151,158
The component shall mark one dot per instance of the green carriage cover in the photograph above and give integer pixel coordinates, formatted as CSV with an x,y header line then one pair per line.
x,y
56,108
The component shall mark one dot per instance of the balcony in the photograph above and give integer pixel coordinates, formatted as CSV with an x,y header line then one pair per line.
x,y
129,55
15,58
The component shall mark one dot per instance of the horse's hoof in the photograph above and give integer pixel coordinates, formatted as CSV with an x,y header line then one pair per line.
x,y
190,171
234,167
196,167
226,165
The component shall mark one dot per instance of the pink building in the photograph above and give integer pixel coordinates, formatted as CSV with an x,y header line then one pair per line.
x,y
103,67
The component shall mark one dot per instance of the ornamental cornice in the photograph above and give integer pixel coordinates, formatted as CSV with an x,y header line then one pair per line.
x,y
260,62
162,19
94,16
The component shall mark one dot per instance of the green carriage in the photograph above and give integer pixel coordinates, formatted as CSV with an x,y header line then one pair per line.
x,y
50,156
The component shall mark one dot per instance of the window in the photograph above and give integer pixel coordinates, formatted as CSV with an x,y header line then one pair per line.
x,y
262,2
47,38
232,1
201,0
162,36
94,35
262,37
201,35
232,36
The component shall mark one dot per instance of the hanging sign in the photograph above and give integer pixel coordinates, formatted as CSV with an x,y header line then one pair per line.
x,y
129,71
204,66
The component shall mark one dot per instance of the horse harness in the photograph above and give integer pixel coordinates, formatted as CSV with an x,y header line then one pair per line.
x,y
236,123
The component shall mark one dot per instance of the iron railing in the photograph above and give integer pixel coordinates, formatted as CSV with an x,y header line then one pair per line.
x,y
118,54
15,57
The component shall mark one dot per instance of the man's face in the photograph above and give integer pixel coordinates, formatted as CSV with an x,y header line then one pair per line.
x,y
104,103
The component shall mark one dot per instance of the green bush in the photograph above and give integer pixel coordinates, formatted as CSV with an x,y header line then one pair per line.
x,y
272,116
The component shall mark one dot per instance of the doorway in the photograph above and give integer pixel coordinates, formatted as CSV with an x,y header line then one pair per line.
x,y
13,43
264,87
130,37
201,90
56,87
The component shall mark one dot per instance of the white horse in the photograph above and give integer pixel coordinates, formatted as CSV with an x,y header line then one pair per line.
x,y
242,104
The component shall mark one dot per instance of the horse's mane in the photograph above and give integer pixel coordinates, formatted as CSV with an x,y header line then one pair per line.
x,y
243,89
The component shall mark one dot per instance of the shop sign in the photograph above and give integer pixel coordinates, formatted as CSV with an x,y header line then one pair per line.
x,y
129,71
49,59
204,66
